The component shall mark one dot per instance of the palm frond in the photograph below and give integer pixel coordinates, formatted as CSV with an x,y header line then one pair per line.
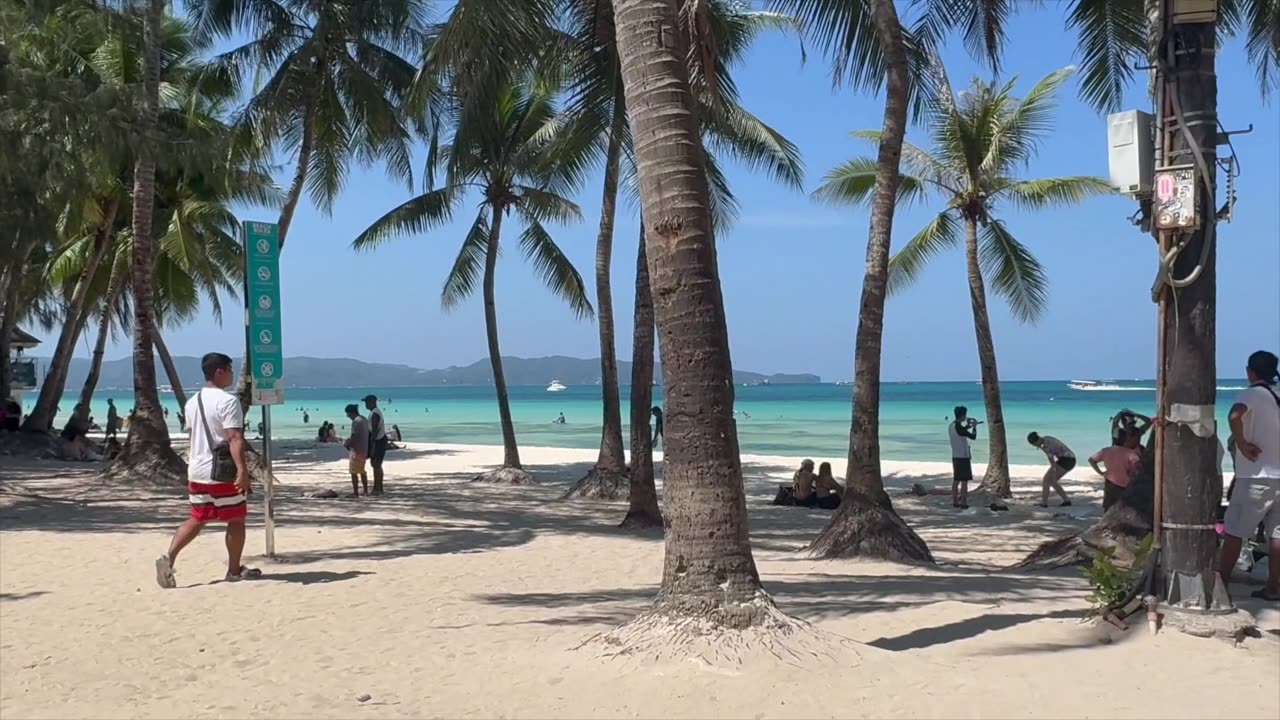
x,y
906,264
555,270
468,267
1014,273
417,215
852,183
1112,34
545,206
1262,41
732,130
1013,135
1056,192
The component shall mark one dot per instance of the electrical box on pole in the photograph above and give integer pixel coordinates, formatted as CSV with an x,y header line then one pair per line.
x,y
1131,151
1176,198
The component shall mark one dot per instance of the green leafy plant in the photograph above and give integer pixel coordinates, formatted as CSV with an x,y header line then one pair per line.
x,y
1110,582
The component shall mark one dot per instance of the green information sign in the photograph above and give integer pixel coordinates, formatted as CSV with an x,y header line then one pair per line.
x,y
262,311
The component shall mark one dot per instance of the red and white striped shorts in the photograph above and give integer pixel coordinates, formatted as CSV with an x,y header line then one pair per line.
x,y
221,501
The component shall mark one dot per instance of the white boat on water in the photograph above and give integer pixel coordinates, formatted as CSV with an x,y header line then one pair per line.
x,y
1092,385
556,386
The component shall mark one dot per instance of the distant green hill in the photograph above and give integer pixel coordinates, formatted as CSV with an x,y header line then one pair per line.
x,y
345,372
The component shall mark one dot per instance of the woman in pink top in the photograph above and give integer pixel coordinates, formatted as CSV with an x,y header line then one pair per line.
x,y
1117,464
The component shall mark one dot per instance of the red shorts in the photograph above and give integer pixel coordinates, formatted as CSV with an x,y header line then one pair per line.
x,y
221,501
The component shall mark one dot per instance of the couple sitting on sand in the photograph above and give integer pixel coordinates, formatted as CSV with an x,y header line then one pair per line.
x,y
810,490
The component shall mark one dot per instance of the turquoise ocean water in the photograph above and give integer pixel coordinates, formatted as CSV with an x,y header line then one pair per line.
x,y
789,420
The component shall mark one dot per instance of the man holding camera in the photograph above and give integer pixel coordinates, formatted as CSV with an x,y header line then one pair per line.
x,y
961,431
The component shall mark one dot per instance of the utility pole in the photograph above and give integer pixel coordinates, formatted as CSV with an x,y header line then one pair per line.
x,y
1183,42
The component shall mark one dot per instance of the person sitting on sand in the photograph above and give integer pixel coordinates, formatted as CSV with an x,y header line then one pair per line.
x,y
75,427
1061,462
357,446
802,485
826,488
330,433
1118,464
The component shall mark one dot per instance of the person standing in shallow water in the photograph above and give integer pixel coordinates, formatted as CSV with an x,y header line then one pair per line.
x,y
1061,462
217,471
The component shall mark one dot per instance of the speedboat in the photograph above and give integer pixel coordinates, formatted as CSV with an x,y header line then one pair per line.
x,y
1092,385
556,386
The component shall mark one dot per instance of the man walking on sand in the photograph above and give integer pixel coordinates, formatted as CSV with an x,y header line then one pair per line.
x,y
1255,428
217,472
113,419
358,449
1061,462
378,440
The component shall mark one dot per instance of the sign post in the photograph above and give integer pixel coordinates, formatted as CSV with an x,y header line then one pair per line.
x,y
262,330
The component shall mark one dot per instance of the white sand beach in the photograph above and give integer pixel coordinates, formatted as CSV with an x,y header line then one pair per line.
x,y
448,599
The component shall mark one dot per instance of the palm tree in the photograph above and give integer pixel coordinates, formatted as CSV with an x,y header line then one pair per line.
x,y
982,142
146,450
709,576
597,105
870,49
336,86
513,149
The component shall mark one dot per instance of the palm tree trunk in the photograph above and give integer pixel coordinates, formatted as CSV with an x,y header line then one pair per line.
x,y
55,378
511,470
866,524
9,311
95,362
644,511
996,479
608,479
171,370
244,386
147,453
709,576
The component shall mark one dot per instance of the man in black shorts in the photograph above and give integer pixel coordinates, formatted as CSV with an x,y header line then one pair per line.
x,y
961,431
1061,461
378,440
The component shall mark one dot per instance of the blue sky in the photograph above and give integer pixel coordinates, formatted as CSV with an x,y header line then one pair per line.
x,y
791,269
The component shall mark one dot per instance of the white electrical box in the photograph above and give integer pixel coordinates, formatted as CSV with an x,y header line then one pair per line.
x,y
1186,12
1130,151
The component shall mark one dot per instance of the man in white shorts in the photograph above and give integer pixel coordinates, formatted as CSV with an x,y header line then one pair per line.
x,y
1255,428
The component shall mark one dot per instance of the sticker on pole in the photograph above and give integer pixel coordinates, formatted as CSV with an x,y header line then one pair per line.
x,y
262,311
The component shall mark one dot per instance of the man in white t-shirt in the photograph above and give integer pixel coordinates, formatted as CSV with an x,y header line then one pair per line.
x,y
960,432
1255,428
217,471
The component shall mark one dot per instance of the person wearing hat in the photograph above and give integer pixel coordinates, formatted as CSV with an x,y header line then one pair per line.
x,y
1255,428
378,440
358,449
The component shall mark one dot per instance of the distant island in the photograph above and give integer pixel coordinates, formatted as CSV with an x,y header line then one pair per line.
x,y
345,372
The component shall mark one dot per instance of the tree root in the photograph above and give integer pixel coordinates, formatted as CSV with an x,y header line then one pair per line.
x,y
506,476
865,528
1118,531
641,520
147,464
724,640
601,484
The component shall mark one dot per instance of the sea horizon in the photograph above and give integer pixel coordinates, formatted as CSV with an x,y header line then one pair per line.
x,y
790,420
